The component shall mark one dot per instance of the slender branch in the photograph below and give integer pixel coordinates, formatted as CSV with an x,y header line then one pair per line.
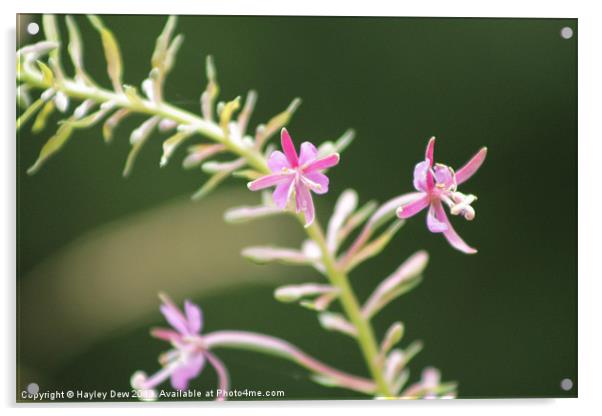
x,y
276,346
100,95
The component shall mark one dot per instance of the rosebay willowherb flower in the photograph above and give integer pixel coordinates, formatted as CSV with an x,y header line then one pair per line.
x,y
436,184
296,175
188,356
354,233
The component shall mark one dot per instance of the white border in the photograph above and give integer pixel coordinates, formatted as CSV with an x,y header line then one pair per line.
x,y
590,93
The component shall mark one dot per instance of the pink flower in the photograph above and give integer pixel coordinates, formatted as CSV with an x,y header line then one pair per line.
x,y
298,175
186,359
437,184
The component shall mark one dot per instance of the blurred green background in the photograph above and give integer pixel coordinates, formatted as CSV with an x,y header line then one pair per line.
x,y
94,248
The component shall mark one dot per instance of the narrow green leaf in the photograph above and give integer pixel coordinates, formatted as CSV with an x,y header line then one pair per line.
x,y
247,110
199,153
334,321
52,34
355,220
277,122
162,43
227,113
40,122
47,75
246,213
392,337
76,49
112,52
269,254
217,178
109,125
30,112
172,51
137,139
249,174
171,144
89,120
210,185
374,247
53,145
211,91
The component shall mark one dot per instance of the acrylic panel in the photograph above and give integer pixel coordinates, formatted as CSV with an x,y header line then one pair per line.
x,y
292,208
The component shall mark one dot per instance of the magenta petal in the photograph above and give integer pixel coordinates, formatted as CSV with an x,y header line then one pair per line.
x,y
278,162
444,175
452,237
469,169
289,148
282,193
165,334
308,153
189,370
423,177
323,163
412,208
305,203
268,180
430,151
193,316
318,179
175,318
434,224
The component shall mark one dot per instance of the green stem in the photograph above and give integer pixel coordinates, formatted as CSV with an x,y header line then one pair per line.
x,y
365,334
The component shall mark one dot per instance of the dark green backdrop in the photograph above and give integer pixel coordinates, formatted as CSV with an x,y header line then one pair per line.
x,y
503,323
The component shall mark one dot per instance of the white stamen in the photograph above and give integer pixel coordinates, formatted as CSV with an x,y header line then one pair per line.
x,y
461,205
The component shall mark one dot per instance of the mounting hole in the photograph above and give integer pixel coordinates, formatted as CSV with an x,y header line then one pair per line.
x,y
33,28
33,388
566,384
566,32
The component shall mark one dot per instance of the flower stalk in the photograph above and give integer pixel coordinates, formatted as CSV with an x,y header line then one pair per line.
x,y
365,334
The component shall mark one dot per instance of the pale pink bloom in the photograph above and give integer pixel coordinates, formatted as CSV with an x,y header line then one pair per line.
x,y
437,184
187,358
297,175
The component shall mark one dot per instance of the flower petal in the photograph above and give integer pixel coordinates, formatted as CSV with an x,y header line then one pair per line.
x,y
308,153
430,151
323,163
175,318
444,175
278,161
165,334
282,193
434,224
268,180
423,177
187,371
305,203
193,316
319,182
469,169
452,237
289,148
413,207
